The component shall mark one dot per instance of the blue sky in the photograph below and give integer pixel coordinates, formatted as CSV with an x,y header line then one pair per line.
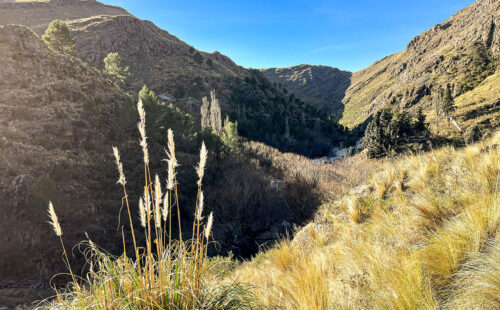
x,y
346,34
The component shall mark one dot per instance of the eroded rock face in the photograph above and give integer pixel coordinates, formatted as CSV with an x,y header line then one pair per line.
x,y
447,53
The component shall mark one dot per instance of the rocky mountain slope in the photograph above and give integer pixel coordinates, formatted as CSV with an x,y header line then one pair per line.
x,y
58,120
321,86
38,14
462,51
182,75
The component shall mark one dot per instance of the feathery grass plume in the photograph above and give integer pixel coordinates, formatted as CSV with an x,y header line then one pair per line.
x,y
171,175
165,210
203,160
119,165
208,228
158,198
200,207
171,148
142,130
57,228
142,212
54,221
174,276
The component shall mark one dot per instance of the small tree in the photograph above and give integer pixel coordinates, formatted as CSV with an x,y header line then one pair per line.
x,y
198,58
153,106
114,69
420,125
59,39
179,92
377,139
448,102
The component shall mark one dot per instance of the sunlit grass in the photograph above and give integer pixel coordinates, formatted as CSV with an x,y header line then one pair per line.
x,y
423,237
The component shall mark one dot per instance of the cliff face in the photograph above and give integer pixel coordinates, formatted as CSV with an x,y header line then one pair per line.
x,y
321,86
56,131
462,51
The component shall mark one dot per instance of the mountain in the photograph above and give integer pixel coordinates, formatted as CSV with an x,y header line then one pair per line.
x,y
38,14
462,51
321,86
58,120
182,75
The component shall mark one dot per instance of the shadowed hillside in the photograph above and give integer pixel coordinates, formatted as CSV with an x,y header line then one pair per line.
x,y
321,86
59,118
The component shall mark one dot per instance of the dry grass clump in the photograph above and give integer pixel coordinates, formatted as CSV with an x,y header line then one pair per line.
x,y
422,234
164,273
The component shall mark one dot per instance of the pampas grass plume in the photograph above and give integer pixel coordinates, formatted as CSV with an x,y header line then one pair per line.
x,y
54,221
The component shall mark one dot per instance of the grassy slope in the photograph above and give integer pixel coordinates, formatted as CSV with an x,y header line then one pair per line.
x,y
445,54
481,105
421,234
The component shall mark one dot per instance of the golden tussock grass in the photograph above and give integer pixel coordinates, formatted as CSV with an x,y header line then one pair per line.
x,y
422,236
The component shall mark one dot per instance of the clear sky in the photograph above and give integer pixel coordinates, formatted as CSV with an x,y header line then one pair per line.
x,y
347,34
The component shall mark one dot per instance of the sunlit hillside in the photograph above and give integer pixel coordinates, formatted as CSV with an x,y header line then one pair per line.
x,y
422,233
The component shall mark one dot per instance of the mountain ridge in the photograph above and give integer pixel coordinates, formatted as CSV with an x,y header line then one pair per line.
x,y
462,51
321,86
38,14
443,54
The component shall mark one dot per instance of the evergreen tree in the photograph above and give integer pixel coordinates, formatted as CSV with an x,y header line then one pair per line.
x,y
377,139
420,125
448,102
153,107
59,39
388,131
399,129
179,92
160,117
114,69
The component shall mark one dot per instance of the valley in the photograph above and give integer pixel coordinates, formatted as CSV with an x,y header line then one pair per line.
x,y
305,187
